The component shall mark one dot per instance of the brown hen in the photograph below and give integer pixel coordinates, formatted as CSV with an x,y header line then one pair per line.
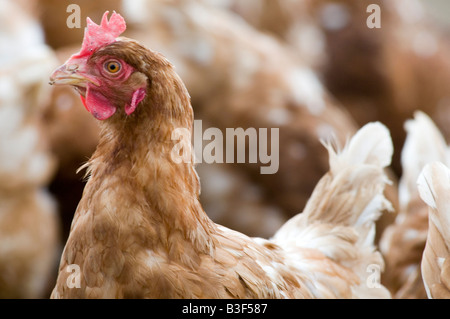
x,y
140,231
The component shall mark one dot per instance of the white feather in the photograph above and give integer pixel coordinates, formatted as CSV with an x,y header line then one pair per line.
x,y
434,189
419,151
372,145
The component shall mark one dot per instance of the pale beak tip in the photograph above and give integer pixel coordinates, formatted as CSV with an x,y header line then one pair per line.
x,y
70,75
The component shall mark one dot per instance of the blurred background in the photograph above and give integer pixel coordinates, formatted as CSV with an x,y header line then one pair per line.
x,y
438,10
313,69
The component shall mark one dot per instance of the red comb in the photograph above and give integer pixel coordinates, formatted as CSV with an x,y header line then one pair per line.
x,y
96,36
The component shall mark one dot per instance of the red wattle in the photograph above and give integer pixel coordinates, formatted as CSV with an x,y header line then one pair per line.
x,y
98,104
137,97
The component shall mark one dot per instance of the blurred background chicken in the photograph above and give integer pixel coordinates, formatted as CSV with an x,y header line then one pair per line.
x,y
386,73
29,223
376,73
390,72
403,242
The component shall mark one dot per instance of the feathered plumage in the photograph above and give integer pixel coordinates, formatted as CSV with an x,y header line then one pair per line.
x,y
434,189
140,231
403,242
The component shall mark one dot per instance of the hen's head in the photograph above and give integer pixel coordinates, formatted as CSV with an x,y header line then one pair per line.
x,y
111,73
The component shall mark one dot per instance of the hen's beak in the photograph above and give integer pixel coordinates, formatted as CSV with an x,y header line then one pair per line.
x,y
71,74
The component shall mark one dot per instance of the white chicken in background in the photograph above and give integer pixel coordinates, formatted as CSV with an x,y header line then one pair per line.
x,y
29,227
403,242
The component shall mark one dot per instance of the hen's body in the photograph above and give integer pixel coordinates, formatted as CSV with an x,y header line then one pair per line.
x,y
140,231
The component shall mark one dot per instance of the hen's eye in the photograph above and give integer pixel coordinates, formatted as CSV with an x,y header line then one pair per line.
x,y
112,66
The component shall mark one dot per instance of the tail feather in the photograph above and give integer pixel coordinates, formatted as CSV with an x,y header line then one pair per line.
x,y
355,182
434,188
348,200
351,193
417,152
371,145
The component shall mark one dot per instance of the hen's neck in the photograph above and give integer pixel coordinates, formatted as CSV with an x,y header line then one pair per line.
x,y
134,156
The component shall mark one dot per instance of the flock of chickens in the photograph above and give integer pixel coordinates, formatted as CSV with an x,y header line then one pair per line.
x,y
355,210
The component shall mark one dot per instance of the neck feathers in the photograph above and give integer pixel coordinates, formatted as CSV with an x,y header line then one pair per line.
x,y
136,152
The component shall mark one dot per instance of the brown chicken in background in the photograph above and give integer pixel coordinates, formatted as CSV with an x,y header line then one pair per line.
x,y
403,242
140,231
434,188
29,223
380,74
386,73
292,22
